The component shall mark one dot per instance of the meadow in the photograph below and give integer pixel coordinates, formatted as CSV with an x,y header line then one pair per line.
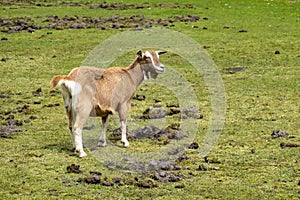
x,y
255,46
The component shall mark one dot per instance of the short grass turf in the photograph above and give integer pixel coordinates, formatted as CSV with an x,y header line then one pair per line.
x,y
260,37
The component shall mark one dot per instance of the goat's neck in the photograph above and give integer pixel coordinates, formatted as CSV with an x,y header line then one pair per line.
x,y
136,72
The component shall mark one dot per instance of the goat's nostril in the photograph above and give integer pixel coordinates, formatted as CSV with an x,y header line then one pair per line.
x,y
160,68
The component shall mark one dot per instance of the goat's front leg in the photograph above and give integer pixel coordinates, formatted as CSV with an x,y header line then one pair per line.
x,y
123,137
102,139
123,112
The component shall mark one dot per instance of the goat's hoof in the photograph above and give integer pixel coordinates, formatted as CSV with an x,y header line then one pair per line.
x,y
101,144
125,144
82,155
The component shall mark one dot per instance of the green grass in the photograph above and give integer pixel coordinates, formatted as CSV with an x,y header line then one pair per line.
x,y
262,98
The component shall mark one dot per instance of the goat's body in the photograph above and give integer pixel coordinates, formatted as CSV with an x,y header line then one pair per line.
x,y
90,91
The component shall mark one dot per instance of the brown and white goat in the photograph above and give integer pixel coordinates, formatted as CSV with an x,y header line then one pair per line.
x,y
90,91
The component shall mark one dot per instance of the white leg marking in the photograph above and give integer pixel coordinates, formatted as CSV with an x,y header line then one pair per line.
x,y
124,139
72,139
102,139
78,142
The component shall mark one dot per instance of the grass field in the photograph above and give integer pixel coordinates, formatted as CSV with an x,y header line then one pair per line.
x,y
256,48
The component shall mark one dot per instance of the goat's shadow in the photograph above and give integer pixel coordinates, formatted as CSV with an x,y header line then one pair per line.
x,y
62,147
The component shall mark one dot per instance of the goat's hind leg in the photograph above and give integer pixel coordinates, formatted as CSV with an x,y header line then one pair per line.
x,y
78,126
70,113
123,114
82,116
102,138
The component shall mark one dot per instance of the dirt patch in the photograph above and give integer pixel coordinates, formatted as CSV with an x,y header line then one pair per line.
x,y
11,126
154,113
289,144
93,178
6,131
74,169
98,5
172,132
144,181
235,70
194,145
146,132
202,168
137,22
139,97
10,121
166,177
278,134
157,111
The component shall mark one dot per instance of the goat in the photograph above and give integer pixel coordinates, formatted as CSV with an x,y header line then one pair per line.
x,y
91,91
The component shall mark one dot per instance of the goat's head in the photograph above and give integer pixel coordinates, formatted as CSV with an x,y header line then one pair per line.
x,y
149,61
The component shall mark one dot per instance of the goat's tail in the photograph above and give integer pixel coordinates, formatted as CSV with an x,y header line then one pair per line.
x,y
56,80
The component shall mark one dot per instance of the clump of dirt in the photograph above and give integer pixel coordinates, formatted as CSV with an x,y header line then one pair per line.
x,y
202,168
289,144
182,158
73,168
146,132
235,70
18,24
132,164
37,92
11,121
93,178
166,177
157,112
139,97
6,131
278,133
154,113
145,181
173,131
169,133
277,52
191,112
51,105
165,165
194,145
11,126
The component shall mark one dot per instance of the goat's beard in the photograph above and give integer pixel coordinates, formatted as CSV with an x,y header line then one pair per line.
x,y
153,75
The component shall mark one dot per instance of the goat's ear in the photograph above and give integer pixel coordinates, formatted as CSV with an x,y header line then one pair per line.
x,y
161,52
140,53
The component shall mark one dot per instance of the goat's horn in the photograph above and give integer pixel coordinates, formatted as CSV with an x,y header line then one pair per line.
x,y
139,53
161,52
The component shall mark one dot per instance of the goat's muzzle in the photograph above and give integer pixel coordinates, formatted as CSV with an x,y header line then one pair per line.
x,y
160,69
